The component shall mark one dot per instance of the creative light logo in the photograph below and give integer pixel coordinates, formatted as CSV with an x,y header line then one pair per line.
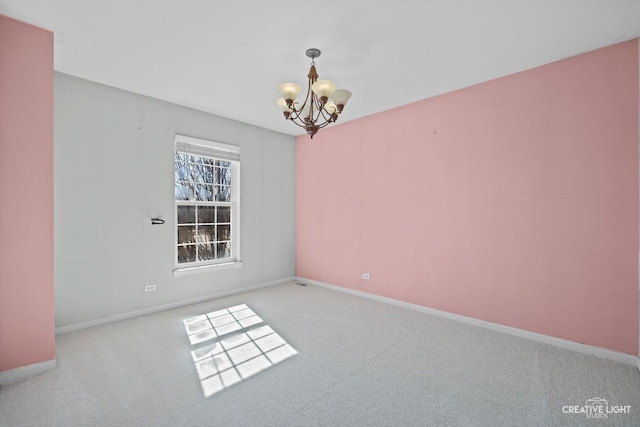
x,y
597,407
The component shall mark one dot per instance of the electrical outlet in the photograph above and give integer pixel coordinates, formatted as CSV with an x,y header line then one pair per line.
x,y
149,288
365,276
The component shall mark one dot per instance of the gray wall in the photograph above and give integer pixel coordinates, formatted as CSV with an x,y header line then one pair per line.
x,y
113,171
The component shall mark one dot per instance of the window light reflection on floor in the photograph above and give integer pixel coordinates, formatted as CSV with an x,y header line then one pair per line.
x,y
235,344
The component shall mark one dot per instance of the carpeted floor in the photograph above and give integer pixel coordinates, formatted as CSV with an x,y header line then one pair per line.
x,y
313,357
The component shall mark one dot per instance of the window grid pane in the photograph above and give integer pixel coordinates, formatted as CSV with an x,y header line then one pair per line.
x,y
203,225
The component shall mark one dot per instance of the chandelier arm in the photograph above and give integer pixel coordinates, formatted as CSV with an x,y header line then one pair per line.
x,y
297,124
295,115
328,118
306,99
324,124
321,121
313,101
324,114
309,95
294,109
296,118
319,107
313,108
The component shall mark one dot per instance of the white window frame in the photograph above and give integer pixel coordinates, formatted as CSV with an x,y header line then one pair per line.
x,y
218,151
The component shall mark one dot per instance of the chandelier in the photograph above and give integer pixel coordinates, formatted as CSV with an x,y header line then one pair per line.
x,y
322,105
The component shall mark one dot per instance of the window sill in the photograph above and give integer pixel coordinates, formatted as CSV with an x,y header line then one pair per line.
x,y
184,271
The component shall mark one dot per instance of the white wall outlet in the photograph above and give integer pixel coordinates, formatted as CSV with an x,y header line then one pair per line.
x,y
149,288
365,276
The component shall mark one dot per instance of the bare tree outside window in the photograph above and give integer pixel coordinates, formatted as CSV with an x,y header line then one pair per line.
x,y
203,193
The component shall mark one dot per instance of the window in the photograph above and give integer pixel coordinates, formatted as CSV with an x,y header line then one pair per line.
x,y
207,202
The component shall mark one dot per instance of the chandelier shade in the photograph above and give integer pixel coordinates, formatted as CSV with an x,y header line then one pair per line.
x,y
322,104
283,105
330,107
341,96
289,90
323,88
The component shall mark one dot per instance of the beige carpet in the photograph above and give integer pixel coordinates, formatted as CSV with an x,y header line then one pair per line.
x,y
312,356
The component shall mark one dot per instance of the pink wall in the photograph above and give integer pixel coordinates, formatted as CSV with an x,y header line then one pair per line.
x,y
514,201
26,195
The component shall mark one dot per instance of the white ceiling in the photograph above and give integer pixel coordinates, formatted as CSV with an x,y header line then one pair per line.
x,y
227,57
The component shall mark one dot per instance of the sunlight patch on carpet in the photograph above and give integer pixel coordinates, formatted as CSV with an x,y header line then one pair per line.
x,y
233,344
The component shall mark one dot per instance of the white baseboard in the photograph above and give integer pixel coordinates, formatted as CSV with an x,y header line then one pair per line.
x,y
156,309
24,372
616,356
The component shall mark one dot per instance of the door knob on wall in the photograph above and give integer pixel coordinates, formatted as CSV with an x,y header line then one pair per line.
x,y
157,221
